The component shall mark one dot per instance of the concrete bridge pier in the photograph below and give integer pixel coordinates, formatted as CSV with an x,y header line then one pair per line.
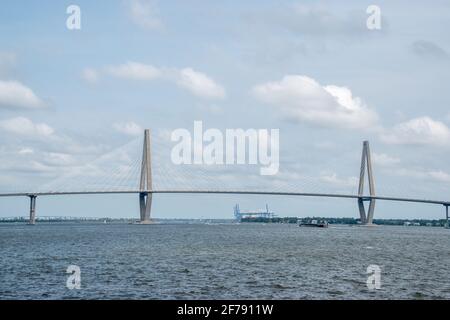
x,y
447,224
145,197
32,209
366,219
145,204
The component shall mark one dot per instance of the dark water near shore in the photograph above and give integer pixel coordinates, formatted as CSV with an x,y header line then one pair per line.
x,y
223,261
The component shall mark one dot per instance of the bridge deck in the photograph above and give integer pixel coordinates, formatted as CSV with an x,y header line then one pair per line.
x,y
326,195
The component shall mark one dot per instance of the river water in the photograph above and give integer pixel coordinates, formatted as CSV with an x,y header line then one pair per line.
x,y
222,261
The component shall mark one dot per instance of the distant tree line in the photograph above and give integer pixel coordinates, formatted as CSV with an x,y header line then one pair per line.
x,y
351,221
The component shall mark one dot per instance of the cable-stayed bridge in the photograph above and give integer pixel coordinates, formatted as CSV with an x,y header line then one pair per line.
x,y
148,170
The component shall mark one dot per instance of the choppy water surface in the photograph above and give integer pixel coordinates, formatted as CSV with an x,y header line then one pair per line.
x,y
223,261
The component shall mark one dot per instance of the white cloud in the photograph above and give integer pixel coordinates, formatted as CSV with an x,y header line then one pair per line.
x,y
199,84
56,159
24,151
25,127
342,182
14,94
418,131
383,159
439,176
35,166
53,156
196,82
90,75
129,128
303,99
145,14
134,71
422,174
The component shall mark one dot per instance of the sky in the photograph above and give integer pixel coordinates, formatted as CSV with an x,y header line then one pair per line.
x,y
312,69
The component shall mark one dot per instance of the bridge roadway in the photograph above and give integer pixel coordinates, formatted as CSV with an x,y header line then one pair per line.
x,y
237,192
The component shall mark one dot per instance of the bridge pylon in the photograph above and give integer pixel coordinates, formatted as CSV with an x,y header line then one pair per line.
x,y
32,220
145,196
366,219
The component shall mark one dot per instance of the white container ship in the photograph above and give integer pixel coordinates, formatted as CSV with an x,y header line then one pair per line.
x,y
239,215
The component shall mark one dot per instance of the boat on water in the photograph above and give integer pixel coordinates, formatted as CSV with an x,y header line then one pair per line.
x,y
313,223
